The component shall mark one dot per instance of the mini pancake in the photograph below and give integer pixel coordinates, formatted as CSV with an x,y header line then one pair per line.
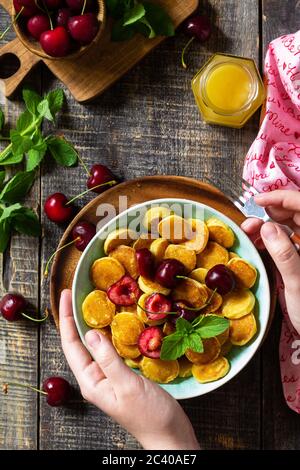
x,y
212,255
158,370
105,272
226,348
150,287
120,236
210,372
200,238
232,254
127,308
125,350
220,232
238,303
223,337
142,315
194,293
97,310
144,241
214,304
199,275
241,331
126,255
175,229
211,351
133,363
153,216
185,368
245,274
168,328
158,248
185,256
126,328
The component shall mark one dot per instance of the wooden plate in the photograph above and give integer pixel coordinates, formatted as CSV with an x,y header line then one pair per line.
x,y
137,191
110,60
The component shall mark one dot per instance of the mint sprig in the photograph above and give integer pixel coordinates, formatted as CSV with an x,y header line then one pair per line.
x,y
138,16
189,335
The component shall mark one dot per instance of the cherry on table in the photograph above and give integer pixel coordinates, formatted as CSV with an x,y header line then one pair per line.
x,y
145,262
199,27
83,28
82,234
124,292
29,7
37,24
63,16
150,341
56,42
167,272
56,208
58,391
99,174
220,278
12,306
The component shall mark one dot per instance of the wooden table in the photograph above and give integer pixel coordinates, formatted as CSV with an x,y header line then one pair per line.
x,y
146,124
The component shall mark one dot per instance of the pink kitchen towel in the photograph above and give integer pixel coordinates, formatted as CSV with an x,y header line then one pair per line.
x,y
273,162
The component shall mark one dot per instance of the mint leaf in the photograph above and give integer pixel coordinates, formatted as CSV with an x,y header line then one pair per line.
x,y
32,100
5,231
9,211
144,27
34,157
63,152
44,110
173,346
55,101
183,326
20,144
26,221
11,159
212,325
195,343
2,177
120,32
2,119
159,20
24,121
134,14
17,187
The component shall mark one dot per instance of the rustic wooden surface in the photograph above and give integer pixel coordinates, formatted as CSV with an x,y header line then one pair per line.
x,y
146,124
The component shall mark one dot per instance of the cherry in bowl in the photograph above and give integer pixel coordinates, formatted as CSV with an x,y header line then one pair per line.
x,y
150,341
167,272
219,277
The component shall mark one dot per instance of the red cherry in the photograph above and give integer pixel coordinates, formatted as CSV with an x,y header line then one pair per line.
x,y
150,341
29,7
145,262
124,292
100,174
84,232
12,306
158,305
37,24
221,278
58,391
63,16
56,42
83,28
167,272
53,4
56,209
199,27
77,5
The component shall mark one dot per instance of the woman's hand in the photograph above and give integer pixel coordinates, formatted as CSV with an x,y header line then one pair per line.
x,y
284,207
148,412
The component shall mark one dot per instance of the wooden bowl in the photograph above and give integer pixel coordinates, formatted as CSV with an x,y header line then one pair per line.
x,y
34,46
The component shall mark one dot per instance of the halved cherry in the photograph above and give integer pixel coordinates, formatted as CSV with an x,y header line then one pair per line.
x,y
150,341
157,306
124,292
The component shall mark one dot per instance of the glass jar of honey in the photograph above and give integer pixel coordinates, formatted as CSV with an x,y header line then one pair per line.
x,y
228,90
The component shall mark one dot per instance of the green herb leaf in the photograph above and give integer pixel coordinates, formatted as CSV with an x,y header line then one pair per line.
x,y
26,221
120,32
159,20
2,119
144,27
195,342
55,101
17,187
32,100
63,152
44,110
183,326
134,14
173,346
8,212
2,178
34,157
5,232
212,325
24,121
12,159
20,143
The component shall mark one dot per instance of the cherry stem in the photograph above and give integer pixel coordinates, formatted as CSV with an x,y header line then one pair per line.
x,y
36,320
184,52
46,272
156,313
13,21
39,6
83,8
81,161
110,183
17,384
49,16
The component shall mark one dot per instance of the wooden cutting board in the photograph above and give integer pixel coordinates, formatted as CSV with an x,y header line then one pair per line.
x,y
137,191
102,65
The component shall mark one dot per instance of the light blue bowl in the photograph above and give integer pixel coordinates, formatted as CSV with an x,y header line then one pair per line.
x,y
239,356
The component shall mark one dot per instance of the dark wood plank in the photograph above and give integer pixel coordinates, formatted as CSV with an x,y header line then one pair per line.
x,y
19,341
148,124
281,426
